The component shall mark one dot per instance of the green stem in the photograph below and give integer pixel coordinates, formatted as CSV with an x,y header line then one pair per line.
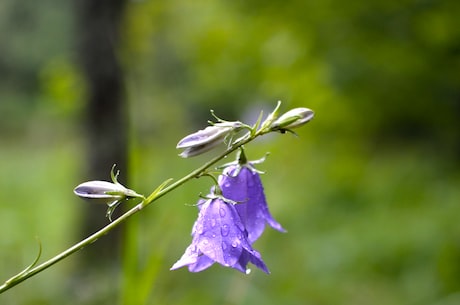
x,y
29,272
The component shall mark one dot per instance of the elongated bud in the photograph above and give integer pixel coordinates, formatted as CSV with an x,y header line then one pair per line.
x,y
198,149
202,137
206,139
292,119
110,193
103,192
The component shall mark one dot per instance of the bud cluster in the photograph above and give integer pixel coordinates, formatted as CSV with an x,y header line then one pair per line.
x,y
210,137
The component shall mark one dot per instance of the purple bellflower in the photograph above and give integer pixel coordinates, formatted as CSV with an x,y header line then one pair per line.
x,y
241,183
219,236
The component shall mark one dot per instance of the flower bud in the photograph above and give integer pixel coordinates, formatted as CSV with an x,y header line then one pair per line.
x,y
292,119
205,136
206,139
198,150
103,192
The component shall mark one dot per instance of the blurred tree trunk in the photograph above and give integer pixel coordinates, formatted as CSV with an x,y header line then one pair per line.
x,y
98,34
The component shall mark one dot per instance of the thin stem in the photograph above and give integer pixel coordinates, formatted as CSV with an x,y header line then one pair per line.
x,y
89,240
29,272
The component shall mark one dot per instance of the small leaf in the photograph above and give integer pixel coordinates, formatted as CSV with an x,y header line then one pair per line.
x,y
26,270
157,190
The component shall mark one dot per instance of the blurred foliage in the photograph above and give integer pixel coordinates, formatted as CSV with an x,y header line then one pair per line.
x,y
368,192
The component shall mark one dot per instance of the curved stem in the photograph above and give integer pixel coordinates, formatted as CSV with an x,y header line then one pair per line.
x,y
29,272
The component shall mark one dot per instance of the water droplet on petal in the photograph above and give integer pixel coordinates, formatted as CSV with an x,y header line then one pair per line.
x,y
213,223
225,229
206,248
199,229
248,271
234,244
224,246
227,184
222,212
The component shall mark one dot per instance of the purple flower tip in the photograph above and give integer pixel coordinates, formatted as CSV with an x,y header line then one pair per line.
x,y
219,236
242,184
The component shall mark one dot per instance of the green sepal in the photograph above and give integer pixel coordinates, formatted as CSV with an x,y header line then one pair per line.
x,y
270,118
111,209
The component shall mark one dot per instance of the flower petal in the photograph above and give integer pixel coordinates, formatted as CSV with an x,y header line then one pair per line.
x,y
250,256
201,264
221,234
241,184
190,256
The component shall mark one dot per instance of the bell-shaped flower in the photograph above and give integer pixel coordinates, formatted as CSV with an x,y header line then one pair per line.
x,y
241,183
219,236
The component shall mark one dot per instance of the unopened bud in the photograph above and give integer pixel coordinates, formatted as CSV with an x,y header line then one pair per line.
x,y
292,119
206,139
103,192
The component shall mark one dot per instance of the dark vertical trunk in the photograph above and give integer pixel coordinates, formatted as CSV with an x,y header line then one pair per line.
x,y
98,32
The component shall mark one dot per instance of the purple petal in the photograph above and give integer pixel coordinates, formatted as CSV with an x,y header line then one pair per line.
x,y
194,259
219,236
219,232
189,257
202,263
243,185
250,256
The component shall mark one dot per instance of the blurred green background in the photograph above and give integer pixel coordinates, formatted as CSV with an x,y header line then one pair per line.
x,y
369,191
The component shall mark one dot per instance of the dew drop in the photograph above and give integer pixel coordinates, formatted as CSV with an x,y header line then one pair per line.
x,y
224,246
227,184
222,212
213,223
225,229
199,229
234,244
